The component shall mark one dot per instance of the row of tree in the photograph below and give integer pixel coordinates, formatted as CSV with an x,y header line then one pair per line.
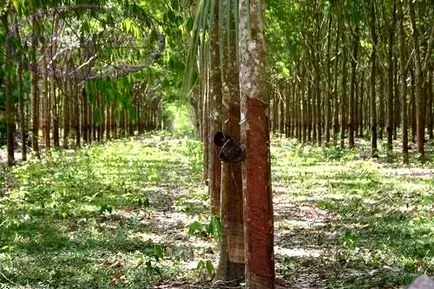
x,y
346,69
230,99
336,70
74,74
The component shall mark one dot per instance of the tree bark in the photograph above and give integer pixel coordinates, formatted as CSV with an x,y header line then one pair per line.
x,y
420,97
258,206
390,103
353,88
215,99
373,108
10,106
34,85
403,84
231,263
344,91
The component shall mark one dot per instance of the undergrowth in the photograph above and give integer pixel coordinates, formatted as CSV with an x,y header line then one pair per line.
x,y
135,214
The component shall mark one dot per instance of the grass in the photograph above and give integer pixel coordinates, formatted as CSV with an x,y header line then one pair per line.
x,y
134,214
112,215
358,223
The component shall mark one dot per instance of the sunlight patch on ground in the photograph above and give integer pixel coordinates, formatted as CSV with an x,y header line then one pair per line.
x,y
419,173
303,224
298,252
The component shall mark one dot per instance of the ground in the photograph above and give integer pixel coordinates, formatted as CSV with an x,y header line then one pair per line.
x,y
135,214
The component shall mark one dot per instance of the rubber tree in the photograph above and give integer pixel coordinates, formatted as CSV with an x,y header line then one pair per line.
x,y
255,137
231,263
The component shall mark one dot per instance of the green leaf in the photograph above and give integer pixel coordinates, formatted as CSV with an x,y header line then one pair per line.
x,y
195,227
158,252
209,268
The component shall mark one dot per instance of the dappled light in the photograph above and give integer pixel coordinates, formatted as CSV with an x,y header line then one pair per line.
x,y
233,144
129,212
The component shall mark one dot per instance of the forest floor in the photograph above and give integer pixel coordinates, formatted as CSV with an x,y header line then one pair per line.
x,y
135,214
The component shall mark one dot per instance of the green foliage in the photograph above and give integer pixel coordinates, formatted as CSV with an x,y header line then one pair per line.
x,y
205,268
211,229
180,119
356,222
135,213
86,218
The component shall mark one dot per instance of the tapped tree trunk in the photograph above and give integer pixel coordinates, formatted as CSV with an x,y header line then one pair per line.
x,y
231,263
258,206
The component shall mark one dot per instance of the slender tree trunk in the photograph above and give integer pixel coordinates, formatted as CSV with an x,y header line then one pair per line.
x,y
335,88
329,83
403,80
282,97
361,104
34,83
205,120
381,94
85,123
54,96
318,104
344,91
429,107
21,100
46,103
77,114
420,99
215,100
10,106
258,206
23,119
390,103
103,119
109,121
353,88
373,110
413,105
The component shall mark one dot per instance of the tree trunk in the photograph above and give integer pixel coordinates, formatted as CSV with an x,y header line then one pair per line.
x,y
361,104
344,91
412,105
22,113
353,88
258,206
335,88
215,107
420,97
403,84
329,92
10,106
231,263
373,110
35,88
54,96
390,103
85,119
77,113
